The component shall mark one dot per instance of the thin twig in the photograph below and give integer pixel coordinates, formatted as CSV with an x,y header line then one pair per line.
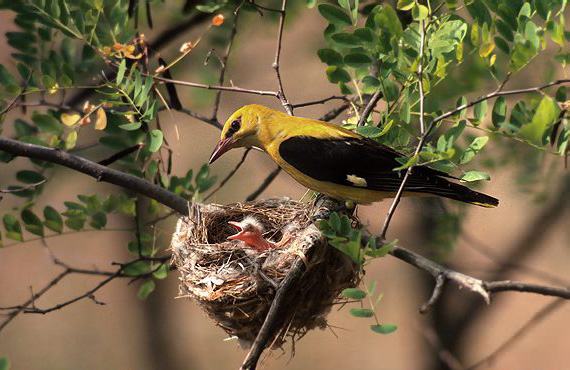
x,y
230,175
120,154
424,135
216,87
224,61
369,107
321,101
268,180
421,76
436,293
22,188
280,92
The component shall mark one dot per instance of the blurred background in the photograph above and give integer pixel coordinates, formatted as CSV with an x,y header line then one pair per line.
x,y
167,333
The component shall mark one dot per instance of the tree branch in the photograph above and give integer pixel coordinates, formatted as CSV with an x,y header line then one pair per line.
x,y
280,92
235,89
97,171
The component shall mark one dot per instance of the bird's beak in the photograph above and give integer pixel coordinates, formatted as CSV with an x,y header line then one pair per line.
x,y
239,228
222,147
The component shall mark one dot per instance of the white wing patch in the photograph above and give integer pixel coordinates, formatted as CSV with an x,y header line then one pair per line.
x,y
357,181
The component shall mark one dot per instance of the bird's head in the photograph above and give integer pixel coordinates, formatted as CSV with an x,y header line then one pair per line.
x,y
240,130
247,230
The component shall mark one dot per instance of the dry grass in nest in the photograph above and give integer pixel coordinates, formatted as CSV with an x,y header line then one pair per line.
x,y
232,282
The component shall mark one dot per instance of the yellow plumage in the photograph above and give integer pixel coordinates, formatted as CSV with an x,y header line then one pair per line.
x,y
332,160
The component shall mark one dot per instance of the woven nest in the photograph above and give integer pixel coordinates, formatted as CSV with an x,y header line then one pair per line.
x,y
235,284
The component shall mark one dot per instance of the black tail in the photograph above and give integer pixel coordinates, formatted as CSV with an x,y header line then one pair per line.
x,y
462,193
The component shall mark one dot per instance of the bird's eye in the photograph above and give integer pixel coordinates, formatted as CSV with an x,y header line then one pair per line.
x,y
235,126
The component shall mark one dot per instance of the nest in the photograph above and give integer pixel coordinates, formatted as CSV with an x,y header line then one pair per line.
x,y
235,285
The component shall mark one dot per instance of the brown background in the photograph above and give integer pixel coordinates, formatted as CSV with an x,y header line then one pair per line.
x,y
166,333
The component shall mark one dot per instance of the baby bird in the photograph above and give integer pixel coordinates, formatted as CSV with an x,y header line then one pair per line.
x,y
250,231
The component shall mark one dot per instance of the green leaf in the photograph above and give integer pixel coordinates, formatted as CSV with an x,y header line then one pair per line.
x,y
23,128
522,53
475,176
357,60
334,14
121,71
53,221
98,220
383,328
473,149
405,4
480,111
47,123
561,94
334,221
161,272
345,227
136,268
499,114
4,363
405,112
545,115
32,223
29,177
71,140
345,39
354,293
13,228
361,312
336,74
310,3
75,223
409,163
419,12
48,81
330,57
364,34
131,126
6,78
154,140
146,288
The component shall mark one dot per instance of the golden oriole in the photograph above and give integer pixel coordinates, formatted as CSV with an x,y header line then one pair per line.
x,y
334,161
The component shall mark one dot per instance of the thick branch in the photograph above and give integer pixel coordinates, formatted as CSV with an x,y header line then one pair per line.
x,y
97,171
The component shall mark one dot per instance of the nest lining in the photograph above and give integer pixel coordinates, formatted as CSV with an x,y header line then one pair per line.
x,y
234,284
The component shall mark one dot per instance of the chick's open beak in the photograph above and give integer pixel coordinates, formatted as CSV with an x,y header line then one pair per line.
x,y
223,146
239,228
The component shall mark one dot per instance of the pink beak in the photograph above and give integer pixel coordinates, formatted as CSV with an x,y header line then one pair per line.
x,y
238,228
222,147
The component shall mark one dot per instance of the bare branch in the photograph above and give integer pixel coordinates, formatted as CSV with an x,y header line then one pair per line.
x,y
280,92
268,180
498,93
215,87
224,61
369,107
230,175
18,189
321,101
99,172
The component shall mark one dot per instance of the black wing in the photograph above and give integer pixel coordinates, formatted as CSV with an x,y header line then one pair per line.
x,y
347,160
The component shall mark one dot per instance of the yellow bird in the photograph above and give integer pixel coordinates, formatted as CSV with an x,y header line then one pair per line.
x,y
334,161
